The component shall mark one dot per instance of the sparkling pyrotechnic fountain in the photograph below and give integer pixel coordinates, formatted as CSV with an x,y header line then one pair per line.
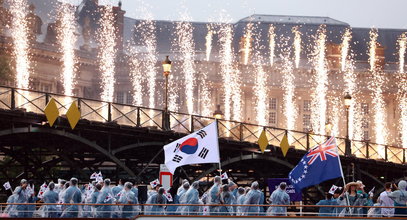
x,y
242,65
290,110
320,80
107,53
185,44
377,85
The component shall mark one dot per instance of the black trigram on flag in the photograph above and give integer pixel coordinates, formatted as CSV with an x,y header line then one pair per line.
x,y
201,133
177,158
177,147
203,153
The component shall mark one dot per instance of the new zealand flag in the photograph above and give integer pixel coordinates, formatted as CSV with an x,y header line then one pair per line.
x,y
318,165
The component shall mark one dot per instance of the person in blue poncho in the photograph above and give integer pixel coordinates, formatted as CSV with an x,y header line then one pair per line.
x,y
399,197
253,198
240,201
181,210
72,195
159,200
279,197
115,191
21,196
192,197
226,199
214,195
326,211
128,197
105,197
50,196
94,199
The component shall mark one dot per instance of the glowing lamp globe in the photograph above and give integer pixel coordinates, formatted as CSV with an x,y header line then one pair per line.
x,y
167,66
348,100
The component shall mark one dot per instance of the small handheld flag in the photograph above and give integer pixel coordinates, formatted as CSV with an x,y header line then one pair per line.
x,y
196,148
224,176
318,165
108,198
93,176
43,188
7,185
99,177
333,189
154,183
30,190
168,196
371,192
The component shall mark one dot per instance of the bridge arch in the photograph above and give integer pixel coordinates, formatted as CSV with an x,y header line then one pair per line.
x,y
77,138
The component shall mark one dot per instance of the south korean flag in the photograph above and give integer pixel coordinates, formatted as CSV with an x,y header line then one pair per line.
x,y
197,148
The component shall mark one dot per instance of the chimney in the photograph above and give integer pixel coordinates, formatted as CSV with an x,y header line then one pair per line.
x,y
119,23
333,55
380,58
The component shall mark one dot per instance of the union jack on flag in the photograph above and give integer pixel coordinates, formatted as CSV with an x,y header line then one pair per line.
x,y
329,147
317,165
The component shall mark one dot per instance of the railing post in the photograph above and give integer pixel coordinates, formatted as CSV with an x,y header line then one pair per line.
x,y
138,117
367,150
404,155
308,142
13,99
109,112
241,132
79,103
46,98
165,120
192,124
385,153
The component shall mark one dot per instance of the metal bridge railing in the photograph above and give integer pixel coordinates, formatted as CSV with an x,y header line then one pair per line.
x,y
120,210
100,111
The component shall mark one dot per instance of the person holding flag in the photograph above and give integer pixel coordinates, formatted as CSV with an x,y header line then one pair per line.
x,y
94,197
319,164
226,199
21,196
214,195
158,200
105,197
399,196
31,199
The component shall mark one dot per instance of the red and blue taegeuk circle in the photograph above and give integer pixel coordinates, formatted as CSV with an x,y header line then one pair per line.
x,y
189,146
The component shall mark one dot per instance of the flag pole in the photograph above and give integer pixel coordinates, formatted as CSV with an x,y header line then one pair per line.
x,y
217,136
343,179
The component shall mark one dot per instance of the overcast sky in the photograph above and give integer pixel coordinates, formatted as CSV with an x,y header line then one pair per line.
x,y
358,13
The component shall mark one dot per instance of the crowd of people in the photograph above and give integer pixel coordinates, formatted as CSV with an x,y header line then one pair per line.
x,y
390,203
99,199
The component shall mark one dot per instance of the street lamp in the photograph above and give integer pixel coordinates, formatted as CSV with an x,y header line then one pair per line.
x,y
218,114
166,71
348,102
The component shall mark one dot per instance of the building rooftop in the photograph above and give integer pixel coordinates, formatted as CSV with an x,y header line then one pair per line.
x,y
290,19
